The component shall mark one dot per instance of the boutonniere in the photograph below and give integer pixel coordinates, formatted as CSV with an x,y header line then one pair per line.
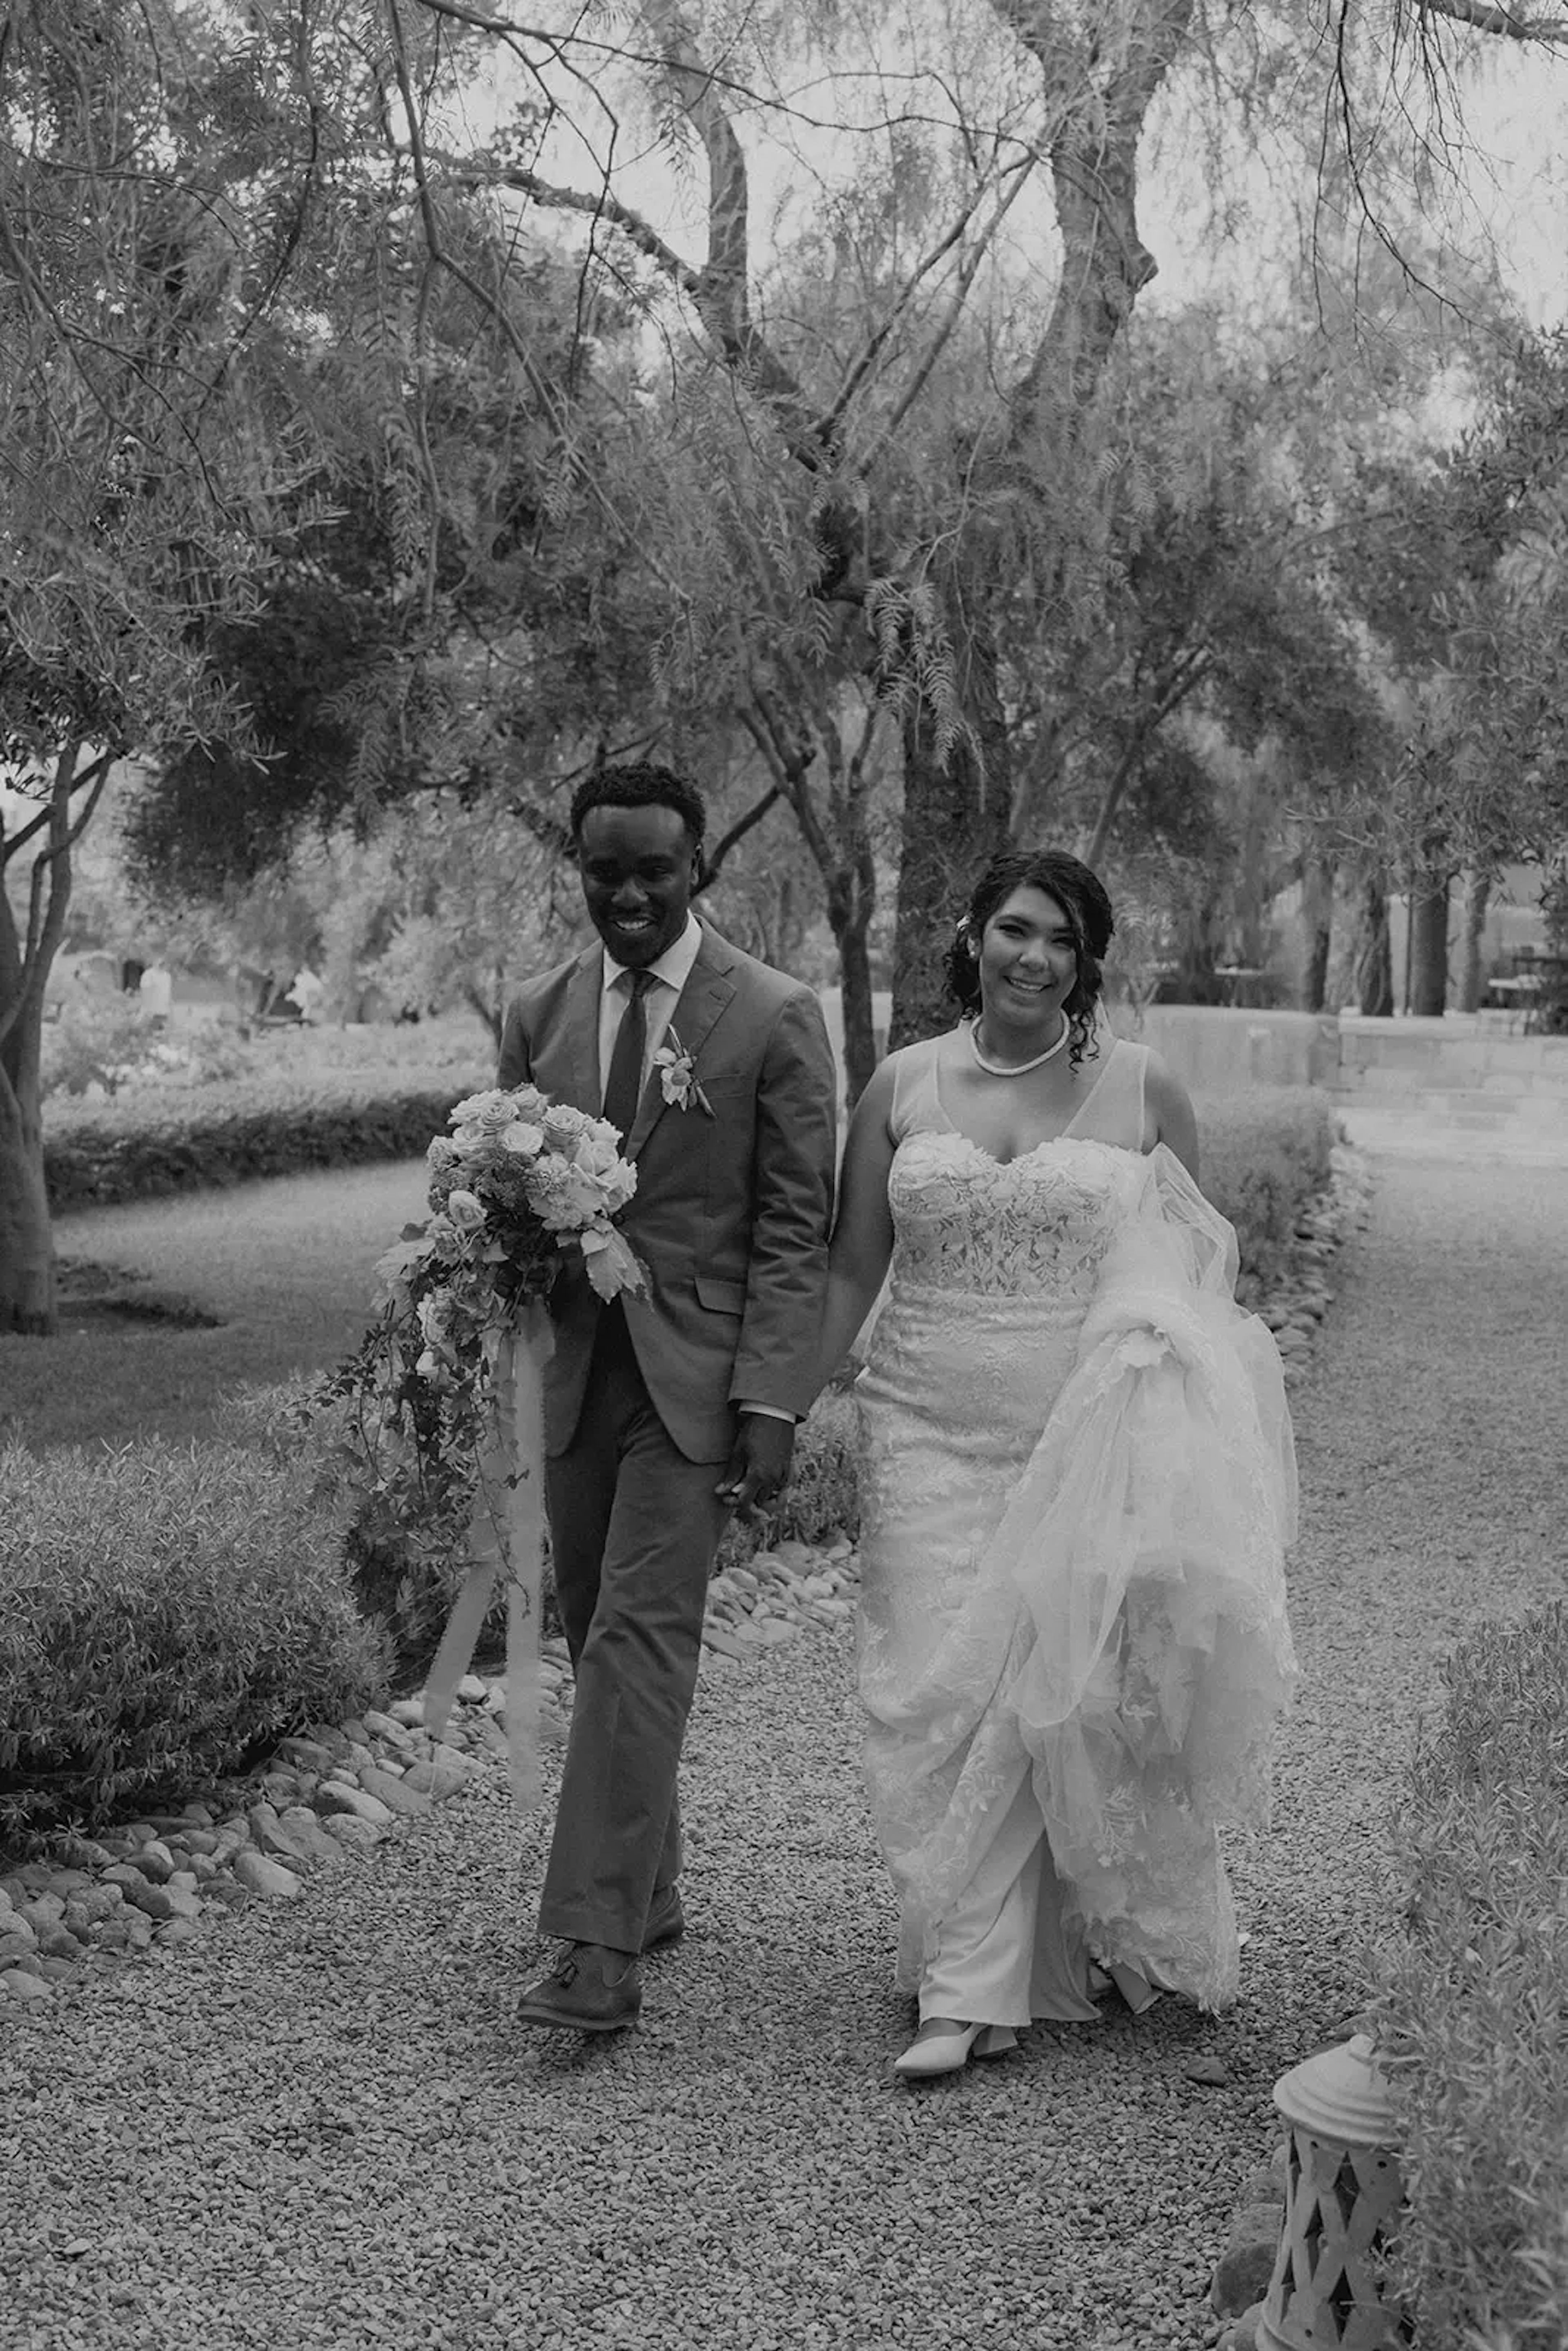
x,y
677,1077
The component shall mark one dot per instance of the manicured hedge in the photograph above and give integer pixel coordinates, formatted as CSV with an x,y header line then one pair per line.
x,y
131,1150
170,1612
1470,2018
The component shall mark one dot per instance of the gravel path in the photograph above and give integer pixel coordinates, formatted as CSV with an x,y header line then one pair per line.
x,y
319,2125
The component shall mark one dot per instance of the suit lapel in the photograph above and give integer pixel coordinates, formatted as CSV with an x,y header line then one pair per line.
x,y
705,996
583,1086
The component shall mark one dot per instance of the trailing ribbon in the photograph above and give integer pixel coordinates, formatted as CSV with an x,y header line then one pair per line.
x,y
505,1541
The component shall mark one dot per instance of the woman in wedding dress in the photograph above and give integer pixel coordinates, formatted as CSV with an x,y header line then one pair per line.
x,y
1077,1487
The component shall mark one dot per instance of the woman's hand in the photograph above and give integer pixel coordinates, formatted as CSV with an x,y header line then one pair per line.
x,y
862,1228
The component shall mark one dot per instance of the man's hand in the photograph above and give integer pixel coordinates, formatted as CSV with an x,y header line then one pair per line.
x,y
758,1469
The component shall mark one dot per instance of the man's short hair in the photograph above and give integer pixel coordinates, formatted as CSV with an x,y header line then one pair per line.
x,y
640,784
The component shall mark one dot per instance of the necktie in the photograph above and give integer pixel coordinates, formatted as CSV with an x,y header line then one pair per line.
x,y
625,1082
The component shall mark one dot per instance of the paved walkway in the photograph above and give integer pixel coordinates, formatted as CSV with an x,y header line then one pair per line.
x,y
321,2125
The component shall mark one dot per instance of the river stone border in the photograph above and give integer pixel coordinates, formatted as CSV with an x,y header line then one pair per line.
x,y
335,1790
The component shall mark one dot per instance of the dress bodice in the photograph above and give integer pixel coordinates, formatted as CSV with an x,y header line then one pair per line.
x,y
1034,1227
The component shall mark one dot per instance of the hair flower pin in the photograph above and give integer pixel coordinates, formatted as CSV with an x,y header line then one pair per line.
x,y
677,1077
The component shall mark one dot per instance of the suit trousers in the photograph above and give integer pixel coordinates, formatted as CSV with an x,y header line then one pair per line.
x,y
633,1528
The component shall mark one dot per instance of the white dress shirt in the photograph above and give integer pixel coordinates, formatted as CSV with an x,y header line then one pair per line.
x,y
671,971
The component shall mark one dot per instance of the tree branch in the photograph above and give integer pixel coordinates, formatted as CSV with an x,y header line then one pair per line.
x,y
829,423
1506,23
603,206
788,766
546,829
721,291
19,839
954,310
95,777
97,774
737,832
46,918
1187,675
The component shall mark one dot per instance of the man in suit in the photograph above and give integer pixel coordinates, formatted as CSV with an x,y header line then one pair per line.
x,y
664,1411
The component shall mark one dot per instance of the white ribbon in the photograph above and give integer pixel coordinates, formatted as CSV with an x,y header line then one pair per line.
x,y
506,1540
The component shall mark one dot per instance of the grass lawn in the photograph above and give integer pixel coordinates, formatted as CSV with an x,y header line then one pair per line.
x,y
286,1267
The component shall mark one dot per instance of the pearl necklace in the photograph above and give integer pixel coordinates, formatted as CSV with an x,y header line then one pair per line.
x,y
1016,1069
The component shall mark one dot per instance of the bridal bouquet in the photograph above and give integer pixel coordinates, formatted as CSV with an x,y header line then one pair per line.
x,y
519,1185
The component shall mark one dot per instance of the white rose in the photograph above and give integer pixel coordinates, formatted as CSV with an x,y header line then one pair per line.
x,y
562,1127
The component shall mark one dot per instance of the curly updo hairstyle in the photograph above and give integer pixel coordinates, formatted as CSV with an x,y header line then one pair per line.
x,y
1081,896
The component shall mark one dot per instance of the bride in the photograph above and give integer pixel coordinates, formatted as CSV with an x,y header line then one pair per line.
x,y
1077,1485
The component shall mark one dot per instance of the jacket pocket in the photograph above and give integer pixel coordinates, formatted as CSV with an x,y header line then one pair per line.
x,y
723,1297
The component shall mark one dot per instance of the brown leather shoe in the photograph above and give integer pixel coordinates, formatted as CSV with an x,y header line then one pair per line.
x,y
590,1989
667,1919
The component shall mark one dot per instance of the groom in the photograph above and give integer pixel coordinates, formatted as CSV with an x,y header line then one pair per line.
x,y
663,1412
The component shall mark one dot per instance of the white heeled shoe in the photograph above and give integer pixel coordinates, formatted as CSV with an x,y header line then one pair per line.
x,y
1140,1992
946,2053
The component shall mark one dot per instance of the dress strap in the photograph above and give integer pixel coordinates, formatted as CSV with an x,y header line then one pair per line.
x,y
1114,1111
917,1104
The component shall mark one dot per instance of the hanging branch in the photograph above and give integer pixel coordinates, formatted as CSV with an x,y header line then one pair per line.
x,y
422,313
833,417
951,316
1190,672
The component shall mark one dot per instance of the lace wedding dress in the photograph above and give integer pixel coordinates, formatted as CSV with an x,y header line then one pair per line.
x,y
1078,1487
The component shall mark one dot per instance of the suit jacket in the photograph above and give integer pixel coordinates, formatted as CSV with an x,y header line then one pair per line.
x,y
731,1212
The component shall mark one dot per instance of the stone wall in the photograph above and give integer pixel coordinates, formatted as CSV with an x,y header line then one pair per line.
x,y
1217,1050
1212,1051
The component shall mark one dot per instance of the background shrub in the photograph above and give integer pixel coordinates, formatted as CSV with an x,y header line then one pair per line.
x,y
96,1040
821,1502
169,1612
1471,2001
404,1594
1263,1156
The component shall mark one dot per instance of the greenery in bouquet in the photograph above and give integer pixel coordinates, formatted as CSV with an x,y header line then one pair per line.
x,y
520,1187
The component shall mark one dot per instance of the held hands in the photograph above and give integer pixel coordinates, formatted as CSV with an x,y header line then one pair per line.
x,y
757,1469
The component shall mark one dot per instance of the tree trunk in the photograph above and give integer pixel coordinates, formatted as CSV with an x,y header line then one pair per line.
x,y
27,1242
1099,85
955,818
1428,903
1317,915
26,1247
1472,978
1375,968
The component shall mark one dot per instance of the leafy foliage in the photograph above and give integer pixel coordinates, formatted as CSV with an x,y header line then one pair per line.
x,y
1463,570
170,1614
1265,1154
1469,1996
